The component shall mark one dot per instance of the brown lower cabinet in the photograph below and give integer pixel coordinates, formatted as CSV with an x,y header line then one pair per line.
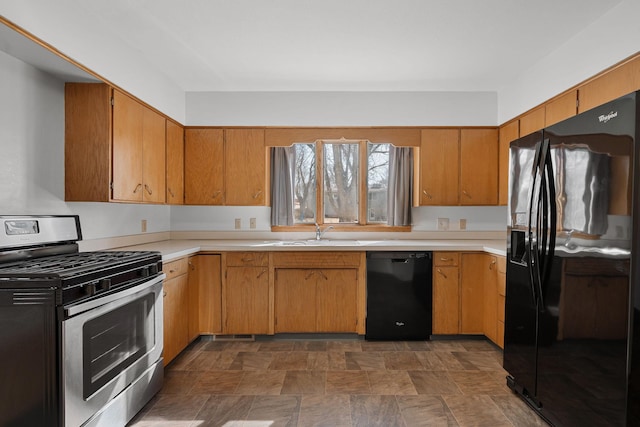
x,y
468,295
316,300
246,293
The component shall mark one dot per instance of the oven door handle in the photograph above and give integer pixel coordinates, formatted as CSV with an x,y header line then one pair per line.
x,y
76,309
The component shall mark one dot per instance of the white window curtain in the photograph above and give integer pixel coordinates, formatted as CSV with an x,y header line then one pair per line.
x,y
281,186
400,186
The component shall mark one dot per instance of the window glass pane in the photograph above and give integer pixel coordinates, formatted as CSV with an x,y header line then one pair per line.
x,y
340,183
304,183
377,182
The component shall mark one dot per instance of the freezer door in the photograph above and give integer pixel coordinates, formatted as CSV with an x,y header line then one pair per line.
x,y
521,312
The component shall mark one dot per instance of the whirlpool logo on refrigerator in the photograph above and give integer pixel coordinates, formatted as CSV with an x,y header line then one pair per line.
x,y
604,118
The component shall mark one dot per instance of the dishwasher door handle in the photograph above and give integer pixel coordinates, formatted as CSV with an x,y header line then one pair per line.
x,y
400,260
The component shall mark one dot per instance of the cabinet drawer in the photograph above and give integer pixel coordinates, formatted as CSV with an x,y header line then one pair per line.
x,y
502,284
175,268
444,259
316,259
240,259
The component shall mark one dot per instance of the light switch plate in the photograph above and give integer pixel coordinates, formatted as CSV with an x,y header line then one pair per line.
x,y
143,225
463,224
238,224
443,224
252,223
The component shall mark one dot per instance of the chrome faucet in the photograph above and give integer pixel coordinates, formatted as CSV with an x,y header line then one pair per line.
x,y
320,233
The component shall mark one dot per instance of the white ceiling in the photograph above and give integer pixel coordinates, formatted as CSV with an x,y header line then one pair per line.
x,y
343,45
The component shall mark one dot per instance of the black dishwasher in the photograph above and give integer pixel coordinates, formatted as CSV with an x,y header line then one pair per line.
x,y
398,296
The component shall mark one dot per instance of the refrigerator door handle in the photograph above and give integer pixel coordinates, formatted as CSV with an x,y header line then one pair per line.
x,y
550,218
532,238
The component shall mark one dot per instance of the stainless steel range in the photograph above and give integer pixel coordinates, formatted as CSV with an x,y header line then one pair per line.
x,y
80,332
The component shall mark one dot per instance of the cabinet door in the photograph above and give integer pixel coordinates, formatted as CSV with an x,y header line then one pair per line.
x,y
245,167
127,148
507,133
490,308
246,296
295,300
472,293
204,167
478,167
205,300
336,300
175,163
611,85
439,166
561,108
154,157
446,300
87,142
531,122
176,325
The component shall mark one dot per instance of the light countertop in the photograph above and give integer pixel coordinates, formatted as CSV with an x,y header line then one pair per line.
x,y
173,249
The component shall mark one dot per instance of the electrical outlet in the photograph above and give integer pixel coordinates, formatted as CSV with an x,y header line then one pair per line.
x,y
143,225
252,223
238,224
463,224
443,224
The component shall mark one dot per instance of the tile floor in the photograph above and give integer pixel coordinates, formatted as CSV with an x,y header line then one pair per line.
x,y
324,382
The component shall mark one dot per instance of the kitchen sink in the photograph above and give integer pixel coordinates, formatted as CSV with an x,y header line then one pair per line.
x,y
312,242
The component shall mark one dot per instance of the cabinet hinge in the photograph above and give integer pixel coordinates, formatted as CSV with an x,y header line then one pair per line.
x,y
112,101
577,102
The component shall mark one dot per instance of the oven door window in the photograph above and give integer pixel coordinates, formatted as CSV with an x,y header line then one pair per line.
x,y
115,340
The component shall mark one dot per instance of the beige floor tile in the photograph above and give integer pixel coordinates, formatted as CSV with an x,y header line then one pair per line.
x,y
425,411
304,382
391,383
261,383
476,411
374,410
325,411
347,382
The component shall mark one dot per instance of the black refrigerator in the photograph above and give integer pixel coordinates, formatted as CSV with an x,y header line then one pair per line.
x,y
572,270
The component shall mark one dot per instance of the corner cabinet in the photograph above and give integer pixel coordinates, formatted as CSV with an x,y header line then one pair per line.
x,y
225,167
115,147
175,163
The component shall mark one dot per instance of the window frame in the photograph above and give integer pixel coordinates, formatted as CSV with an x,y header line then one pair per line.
x,y
362,224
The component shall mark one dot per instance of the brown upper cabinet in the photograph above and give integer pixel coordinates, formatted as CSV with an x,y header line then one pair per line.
x,y
439,167
458,167
175,163
115,147
225,167
507,133
561,108
479,167
615,83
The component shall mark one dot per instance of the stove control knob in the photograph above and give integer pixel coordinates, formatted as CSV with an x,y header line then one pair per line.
x,y
90,289
104,284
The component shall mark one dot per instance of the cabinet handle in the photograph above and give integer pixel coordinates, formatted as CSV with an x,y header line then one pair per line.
x,y
466,194
492,264
171,192
216,194
247,259
323,276
135,190
261,273
427,194
146,187
164,294
446,259
191,265
442,274
255,196
308,276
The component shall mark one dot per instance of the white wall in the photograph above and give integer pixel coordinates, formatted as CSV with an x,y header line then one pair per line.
x,y
610,39
32,158
85,40
341,108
